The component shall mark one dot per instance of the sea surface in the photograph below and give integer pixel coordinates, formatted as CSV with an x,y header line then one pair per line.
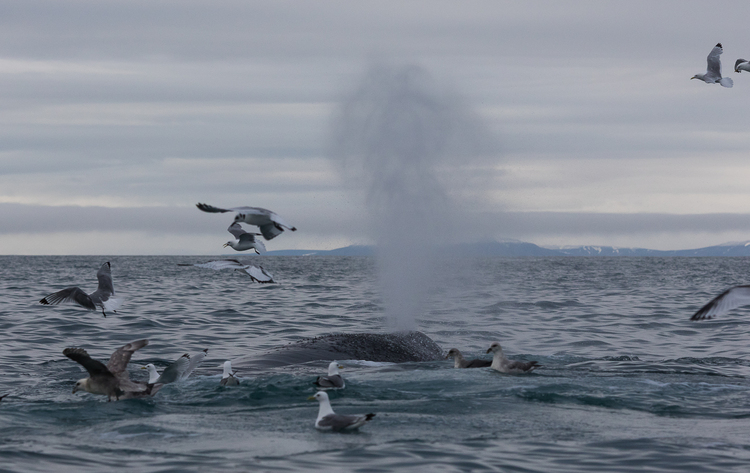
x,y
628,382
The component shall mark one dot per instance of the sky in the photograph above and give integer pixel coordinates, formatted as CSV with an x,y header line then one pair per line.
x,y
117,117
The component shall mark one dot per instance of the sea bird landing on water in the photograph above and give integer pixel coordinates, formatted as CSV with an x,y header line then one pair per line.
x,y
111,380
177,371
504,365
713,70
271,224
102,297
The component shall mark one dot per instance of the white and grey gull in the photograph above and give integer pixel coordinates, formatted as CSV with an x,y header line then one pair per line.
x,y
103,297
732,298
228,377
460,362
502,364
333,380
176,371
741,65
713,69
111,380
329,420
270,224
245,240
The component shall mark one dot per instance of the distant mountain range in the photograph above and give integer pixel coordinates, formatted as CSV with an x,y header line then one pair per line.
x,y
520,248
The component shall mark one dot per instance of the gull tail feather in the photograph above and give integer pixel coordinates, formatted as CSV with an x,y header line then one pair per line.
x,y
726,82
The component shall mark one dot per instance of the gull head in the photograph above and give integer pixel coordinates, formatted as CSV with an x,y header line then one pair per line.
x,y
452,352
495,348
80,385
239,218
319,396
229,243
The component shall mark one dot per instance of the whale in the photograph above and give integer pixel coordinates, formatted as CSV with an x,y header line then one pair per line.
x,y
396,347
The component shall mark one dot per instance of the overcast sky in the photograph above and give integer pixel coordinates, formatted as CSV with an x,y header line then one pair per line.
x,y
117,117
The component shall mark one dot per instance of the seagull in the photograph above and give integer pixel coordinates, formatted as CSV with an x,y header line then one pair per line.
x,y
111,380
713,72
245,240
502,364
257,274
333,380
742,65
732,298
102,297
270,224
228,378
329,420
460,362
177,371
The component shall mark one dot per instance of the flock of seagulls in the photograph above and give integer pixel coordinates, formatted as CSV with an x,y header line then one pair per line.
x,y
713,68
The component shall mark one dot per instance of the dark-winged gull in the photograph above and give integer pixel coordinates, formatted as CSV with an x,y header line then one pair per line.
x,y
270,224
741,65
329,420
732,298
111,380
227,377
333,380
713,70
245,240
103,297
460,362
504,365
177,371
257,274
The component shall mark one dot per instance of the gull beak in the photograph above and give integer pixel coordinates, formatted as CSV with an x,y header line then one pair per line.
x,y
225,245
446,357
143,368
311,398
341,367
488,350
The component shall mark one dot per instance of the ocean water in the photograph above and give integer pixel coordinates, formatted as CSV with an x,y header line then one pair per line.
x,y
628,382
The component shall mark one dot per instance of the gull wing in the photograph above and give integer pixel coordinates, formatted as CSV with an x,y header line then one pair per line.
x,y
478,363
714,62
280,221
194,362
94,368
522,365
218,265
104,275
259,246
259,275
271,230
333,381
244,210
730,299
341,422
119,360
174,371
70,294
236,230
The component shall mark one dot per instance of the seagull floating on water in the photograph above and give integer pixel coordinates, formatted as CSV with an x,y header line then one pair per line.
x,y
228,378
742,65
245,240
504,365
271,224
102,297
713,71
333,380
257,274
111,380
460,362
177,371
732,298
329,420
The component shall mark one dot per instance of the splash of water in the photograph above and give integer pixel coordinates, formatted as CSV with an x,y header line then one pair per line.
x,y
403,142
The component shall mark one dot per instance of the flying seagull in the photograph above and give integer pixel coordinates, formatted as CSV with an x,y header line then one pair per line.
x,y
102,297
245,240
177,371
270,224
227,377
713,71
333,380
111,380
460,362
329,420
732,298
257,274
742,65
504,365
